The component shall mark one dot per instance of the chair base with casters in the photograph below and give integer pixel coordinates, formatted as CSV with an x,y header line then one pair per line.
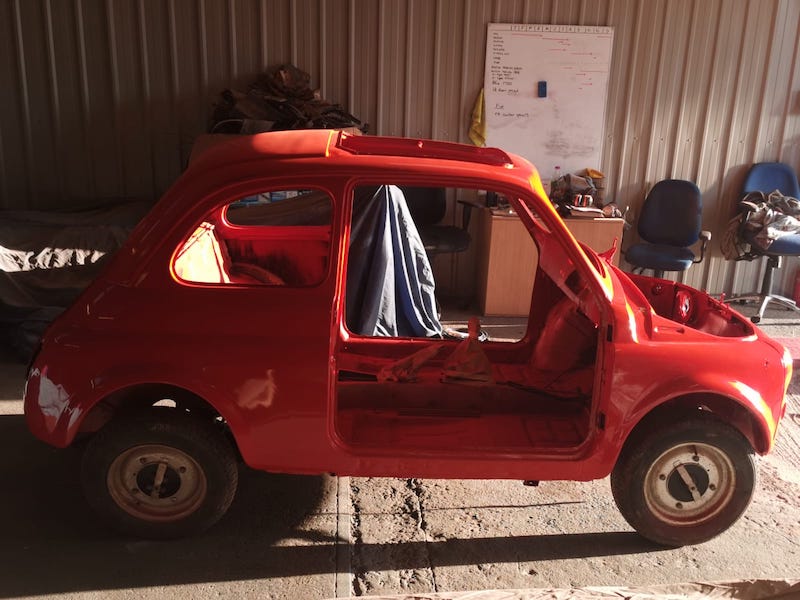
x,y
765,296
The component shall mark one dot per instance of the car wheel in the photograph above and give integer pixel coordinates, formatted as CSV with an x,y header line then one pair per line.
x,y
684,483
159,475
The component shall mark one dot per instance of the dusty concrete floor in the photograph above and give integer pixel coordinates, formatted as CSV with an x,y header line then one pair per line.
x,y
429,535
323,537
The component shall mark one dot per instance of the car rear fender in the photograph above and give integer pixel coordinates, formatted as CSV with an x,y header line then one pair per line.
x,y
58,407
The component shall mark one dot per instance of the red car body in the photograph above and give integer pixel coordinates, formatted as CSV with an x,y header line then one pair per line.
x,y
299,392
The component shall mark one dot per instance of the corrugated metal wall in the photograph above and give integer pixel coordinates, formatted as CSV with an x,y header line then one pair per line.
x,y
102,99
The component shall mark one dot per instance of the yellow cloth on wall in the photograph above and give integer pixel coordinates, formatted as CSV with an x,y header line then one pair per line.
x,y
477,127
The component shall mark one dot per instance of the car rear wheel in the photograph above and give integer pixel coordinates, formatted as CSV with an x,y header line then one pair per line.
x,y
162,474
684,483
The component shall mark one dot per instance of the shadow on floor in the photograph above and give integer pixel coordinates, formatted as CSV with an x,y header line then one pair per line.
x,y
52,543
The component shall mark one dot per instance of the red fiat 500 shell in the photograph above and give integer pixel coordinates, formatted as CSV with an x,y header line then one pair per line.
x,y
266,358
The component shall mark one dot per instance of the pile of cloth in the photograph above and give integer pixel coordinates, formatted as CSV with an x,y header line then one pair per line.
x,y
47,258
279,99
762,219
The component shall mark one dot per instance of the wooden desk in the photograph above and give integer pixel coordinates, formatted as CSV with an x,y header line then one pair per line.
x,y
507,258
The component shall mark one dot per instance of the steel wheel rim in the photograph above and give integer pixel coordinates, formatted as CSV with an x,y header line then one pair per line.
x,y
689,484
157,483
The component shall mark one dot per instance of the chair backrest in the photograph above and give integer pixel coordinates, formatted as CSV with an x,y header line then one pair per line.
x,y
672,213
770,176
427,205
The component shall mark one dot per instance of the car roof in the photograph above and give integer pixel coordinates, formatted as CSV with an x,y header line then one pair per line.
x,y
219,151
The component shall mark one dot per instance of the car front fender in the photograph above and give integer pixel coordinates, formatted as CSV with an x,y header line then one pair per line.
x,y
732,384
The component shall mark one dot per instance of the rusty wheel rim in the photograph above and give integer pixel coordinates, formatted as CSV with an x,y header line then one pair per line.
x,y
689,484
157,483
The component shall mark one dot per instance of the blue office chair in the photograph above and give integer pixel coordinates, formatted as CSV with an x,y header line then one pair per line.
x,y
767,177
428,206
668,225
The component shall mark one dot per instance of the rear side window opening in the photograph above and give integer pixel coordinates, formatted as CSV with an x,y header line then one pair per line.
x,y
274,238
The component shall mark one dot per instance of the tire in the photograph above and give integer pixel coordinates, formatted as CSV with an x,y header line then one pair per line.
x,y
193,460
654,475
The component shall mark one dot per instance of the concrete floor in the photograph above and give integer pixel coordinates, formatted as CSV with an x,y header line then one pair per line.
x,y
324,537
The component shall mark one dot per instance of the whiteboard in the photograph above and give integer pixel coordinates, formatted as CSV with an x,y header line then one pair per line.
x,y
565,127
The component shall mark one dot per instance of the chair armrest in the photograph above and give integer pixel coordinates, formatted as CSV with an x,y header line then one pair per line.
x,y
705,237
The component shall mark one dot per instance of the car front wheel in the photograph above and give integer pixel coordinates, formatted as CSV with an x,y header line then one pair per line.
x,y
162,474
684,483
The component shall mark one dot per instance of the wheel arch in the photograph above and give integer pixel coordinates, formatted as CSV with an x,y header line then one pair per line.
x,y
726,409
138,397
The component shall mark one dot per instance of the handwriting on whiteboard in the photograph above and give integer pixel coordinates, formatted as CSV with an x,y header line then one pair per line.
x,y
565,125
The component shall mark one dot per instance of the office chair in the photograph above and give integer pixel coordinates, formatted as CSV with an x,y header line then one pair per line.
x,y
767,177
428,206
668,225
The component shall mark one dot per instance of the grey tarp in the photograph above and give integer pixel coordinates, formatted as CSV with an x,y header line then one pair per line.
x,y
47,258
